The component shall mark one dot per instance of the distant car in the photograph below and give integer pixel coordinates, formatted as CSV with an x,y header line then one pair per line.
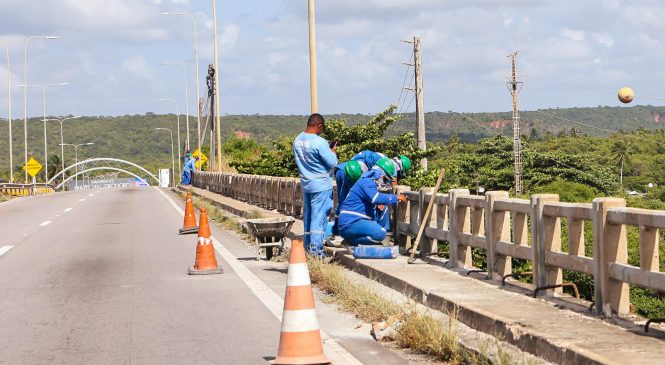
x,y
635,193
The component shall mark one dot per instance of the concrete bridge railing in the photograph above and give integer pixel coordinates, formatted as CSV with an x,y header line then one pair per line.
x,y
12,189
503,228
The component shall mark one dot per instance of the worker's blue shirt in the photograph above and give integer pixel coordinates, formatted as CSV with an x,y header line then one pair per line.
x,y
369,157
362,199
190,165
315,162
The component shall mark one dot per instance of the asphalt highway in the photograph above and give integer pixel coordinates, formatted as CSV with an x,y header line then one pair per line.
x,y
100,277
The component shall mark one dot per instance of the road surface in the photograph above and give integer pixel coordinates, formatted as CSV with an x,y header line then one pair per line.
x,y
99,277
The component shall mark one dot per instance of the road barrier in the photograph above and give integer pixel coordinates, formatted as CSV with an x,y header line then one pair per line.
x,y
12,189
501,228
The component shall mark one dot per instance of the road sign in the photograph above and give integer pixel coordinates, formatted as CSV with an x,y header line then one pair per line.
x,y
33,167
202,159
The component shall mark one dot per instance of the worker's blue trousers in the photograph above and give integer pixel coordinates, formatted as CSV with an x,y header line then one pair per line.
x,y
382,217
186,177
316,210
344,185
364,232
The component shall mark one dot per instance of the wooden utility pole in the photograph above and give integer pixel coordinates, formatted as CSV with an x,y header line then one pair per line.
x,y
420,102
217,119
314,93
514,87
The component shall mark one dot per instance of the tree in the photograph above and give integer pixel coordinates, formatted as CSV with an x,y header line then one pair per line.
x,y
621,153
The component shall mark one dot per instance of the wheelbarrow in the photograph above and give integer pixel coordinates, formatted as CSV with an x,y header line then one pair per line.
x,y
269,233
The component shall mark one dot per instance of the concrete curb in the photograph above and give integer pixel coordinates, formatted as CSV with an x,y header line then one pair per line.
x,y
511,332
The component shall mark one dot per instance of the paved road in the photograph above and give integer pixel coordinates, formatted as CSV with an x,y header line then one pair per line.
x,y
99,277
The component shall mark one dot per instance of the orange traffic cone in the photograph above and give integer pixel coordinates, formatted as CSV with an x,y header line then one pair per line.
x,y
206,262
189,225
300,338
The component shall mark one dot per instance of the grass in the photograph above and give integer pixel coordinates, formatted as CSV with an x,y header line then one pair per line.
x,y
415,330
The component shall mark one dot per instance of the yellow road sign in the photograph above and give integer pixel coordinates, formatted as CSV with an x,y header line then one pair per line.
x,y
202,159
33,167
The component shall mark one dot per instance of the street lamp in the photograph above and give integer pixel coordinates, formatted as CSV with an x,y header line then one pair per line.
x,y
184,69
172,158
177,110
313,86
25,96
198,85
9,111
44,87
76,157
62,146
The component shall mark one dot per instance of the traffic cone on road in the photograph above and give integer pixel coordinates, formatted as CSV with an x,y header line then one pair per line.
x,y
189,225
300,338
206,262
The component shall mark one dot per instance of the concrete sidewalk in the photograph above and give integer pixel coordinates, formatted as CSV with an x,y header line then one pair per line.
x,y
549,329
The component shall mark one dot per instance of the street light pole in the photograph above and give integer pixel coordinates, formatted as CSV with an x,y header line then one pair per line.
x,y
217,95
44,87
9,111
177,110
172,158
62,144
76,158
25,96
313,86
198,85
184,69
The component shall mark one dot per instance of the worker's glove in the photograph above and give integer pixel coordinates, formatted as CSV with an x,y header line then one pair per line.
x,y
402,198
380,207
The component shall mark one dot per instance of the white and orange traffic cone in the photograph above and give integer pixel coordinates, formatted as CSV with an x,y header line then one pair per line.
x,y
206,261
300,338
189,223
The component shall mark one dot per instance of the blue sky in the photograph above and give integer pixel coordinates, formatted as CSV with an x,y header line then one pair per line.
x,y
572,53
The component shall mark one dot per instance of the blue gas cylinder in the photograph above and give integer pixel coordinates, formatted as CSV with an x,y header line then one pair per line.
x,y
375,252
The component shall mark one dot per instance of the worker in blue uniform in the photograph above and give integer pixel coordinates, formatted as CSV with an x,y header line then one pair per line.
x,y
315,159
190,166
357,223
402,164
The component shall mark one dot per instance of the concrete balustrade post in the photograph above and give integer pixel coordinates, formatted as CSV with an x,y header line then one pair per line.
x,y
426,245
609,246
497,228
546,233
414,221
460,221
401,216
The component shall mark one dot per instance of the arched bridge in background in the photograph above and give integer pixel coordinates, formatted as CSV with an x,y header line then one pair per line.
x,y
103,164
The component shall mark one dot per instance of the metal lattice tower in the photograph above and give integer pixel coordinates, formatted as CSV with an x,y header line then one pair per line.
x,y
514,86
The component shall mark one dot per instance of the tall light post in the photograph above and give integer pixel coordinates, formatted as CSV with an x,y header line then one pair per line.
x,y
76,157
62,143
217,95
184,69
177,110
25,95
9,111
313,86
198,85
44,87
172,158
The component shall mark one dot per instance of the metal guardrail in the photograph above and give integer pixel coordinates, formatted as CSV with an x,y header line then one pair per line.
x,y
18,190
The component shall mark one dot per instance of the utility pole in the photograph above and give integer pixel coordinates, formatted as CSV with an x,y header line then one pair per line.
x,y
217,121
514,87
420,101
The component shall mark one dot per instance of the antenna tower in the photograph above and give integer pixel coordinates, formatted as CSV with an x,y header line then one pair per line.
x,y
514,87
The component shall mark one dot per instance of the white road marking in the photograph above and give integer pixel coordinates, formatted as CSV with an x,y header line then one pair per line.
x,y
91,194
25,235
44,223
4,249
57,215
267,296
67,210
81,200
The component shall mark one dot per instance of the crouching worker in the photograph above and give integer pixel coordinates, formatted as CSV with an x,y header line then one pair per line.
x,y
356,218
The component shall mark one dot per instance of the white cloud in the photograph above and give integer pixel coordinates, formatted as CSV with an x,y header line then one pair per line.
x,y
575,35
138,66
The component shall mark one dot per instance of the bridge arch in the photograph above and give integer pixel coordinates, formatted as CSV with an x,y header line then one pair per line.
x,y
99,169
116,164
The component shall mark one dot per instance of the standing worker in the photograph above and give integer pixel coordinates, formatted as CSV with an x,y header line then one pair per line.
x,y
357,223
190,166
315,160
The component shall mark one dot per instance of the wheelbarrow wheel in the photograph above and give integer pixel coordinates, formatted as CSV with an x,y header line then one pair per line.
x,y
268,253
